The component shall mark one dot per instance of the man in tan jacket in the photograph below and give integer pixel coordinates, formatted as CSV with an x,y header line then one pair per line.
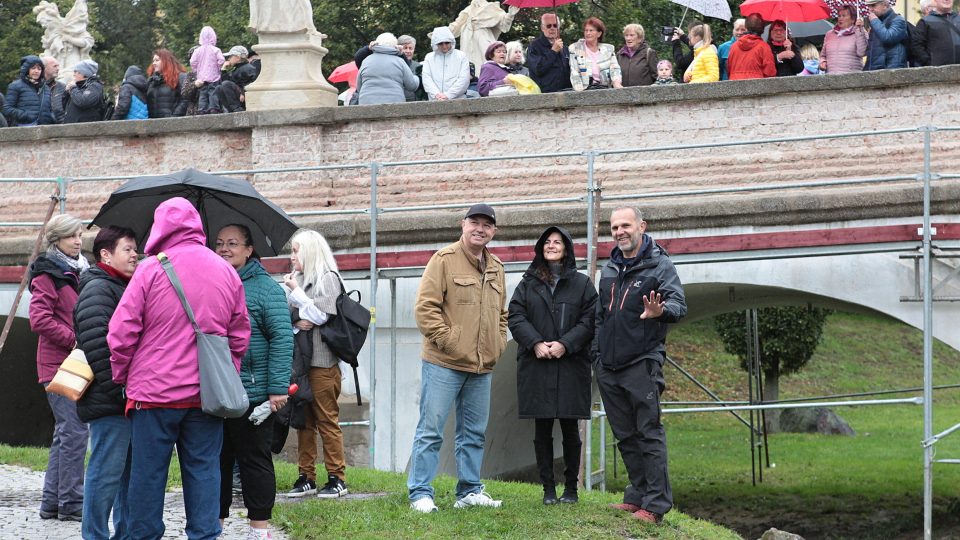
x,y
460,310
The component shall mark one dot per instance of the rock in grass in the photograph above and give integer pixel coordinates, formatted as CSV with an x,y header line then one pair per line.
x,y
814,420
775,534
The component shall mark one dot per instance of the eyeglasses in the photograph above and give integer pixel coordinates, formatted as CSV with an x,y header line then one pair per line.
x,y
232,244
551,26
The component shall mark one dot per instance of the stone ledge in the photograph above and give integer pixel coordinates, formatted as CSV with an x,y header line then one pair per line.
x,y
634,96
705,212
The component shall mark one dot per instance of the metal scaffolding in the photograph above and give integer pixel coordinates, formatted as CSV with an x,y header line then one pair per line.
x,y
591,199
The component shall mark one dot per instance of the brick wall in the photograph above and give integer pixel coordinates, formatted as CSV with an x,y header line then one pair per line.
x,y
631,118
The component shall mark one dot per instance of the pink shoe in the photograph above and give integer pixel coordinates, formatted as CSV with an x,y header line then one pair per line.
x,y
649,517
626,507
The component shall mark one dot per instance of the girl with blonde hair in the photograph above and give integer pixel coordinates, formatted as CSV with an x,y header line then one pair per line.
x,y
706,63
313,288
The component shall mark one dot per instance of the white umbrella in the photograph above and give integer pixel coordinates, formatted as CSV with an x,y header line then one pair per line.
x,y
718,9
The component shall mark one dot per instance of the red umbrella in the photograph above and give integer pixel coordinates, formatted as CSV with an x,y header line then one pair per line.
x,y
346,73
786,10
538,3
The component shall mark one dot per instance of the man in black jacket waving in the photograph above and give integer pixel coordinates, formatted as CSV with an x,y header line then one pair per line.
x,y
640,293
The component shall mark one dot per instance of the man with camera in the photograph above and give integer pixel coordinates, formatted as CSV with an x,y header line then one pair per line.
x,y
681,60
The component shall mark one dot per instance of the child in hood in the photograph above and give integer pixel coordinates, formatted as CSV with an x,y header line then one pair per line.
x,y
664,73
206,61
811,60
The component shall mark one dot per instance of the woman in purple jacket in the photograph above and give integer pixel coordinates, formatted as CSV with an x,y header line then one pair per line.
x,y
54,281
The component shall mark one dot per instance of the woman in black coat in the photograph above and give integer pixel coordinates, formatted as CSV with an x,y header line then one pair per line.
x,y
163,86
551,316
102,405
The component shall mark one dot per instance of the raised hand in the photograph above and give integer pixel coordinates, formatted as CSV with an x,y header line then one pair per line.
x,y
652,306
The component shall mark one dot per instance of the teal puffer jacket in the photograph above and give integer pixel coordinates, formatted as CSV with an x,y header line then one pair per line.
x,y
265,369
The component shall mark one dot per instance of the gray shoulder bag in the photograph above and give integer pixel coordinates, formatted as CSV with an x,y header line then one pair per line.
x,y
221,391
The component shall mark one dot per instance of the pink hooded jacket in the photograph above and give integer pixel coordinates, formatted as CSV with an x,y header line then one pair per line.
x,y
207,60
152,343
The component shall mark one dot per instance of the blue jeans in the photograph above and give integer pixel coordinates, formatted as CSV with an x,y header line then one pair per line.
x,y
108,474
198,438
440,389
63,481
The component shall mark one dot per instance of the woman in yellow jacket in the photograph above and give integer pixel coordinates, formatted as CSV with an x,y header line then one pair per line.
x,y
706,64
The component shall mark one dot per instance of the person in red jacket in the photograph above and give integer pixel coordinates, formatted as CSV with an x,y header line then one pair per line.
x,y
750,56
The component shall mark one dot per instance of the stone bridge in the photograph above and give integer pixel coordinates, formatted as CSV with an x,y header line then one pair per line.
x,y
788,220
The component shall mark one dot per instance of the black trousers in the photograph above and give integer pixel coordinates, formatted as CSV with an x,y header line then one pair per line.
x,y
249,446
568,427
631,397
229,94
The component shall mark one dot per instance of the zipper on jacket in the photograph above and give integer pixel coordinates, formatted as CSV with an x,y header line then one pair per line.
x,y
625,293
613,295
563,316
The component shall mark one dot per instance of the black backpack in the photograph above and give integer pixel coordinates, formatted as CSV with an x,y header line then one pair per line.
x,y
346,332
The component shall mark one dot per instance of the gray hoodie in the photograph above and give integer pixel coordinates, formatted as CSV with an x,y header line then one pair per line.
x,y
384,77
448,73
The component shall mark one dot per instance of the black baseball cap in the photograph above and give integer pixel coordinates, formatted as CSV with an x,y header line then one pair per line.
x,y
482,210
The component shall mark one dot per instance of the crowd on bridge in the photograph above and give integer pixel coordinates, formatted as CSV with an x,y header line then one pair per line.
x,y
138,321
215,83
388,71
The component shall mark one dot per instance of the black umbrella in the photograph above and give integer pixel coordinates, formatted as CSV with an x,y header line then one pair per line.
x,y
220,200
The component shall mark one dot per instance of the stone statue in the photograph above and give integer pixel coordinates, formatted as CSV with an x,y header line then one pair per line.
x,y
479,25
281,16
291,50
65,38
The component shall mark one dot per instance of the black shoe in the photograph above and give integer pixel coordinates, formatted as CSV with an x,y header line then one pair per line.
x,y
72,516
334,488
48,514
550,495
302,487
569,496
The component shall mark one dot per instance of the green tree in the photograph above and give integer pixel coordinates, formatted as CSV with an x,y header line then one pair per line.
x,y
788,338
19,36
125,32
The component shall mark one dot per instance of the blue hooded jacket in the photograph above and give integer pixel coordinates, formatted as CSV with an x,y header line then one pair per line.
x,y
28,103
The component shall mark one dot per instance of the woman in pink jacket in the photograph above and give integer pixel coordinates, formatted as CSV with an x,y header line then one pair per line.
x,y
154,354
845,46
54,282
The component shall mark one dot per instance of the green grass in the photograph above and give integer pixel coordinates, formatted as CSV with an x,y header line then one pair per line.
x,y
863,487
867,486
387,514
523,516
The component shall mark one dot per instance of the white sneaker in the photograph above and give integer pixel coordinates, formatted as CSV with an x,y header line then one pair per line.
x,y
424,505
480,498
259,534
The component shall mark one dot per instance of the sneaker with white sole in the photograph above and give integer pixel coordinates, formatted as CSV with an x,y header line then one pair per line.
x,y
259,534
424,505
302,487
480,498
334,488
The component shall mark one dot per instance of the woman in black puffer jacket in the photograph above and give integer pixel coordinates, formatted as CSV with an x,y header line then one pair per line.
x,y
28,99
102,406
163,86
